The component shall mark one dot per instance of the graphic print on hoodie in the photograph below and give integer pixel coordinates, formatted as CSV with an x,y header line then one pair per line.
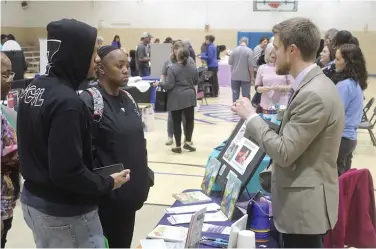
x,y
53,124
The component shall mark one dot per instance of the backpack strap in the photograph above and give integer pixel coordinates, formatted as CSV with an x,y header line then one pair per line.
x,y
98,103
136,109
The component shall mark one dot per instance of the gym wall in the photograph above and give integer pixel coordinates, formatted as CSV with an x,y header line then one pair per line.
x,y
181,19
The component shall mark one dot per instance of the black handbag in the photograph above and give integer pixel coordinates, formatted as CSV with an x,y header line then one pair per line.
x,y
256,99
160,100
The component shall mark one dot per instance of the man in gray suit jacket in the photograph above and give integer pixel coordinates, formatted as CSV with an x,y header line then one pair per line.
x,y
304,178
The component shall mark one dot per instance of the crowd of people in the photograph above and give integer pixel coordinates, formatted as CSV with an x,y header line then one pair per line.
x,y
64,138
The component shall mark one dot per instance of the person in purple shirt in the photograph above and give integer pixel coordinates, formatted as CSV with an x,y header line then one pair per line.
x,y
116,42
351,78
210,56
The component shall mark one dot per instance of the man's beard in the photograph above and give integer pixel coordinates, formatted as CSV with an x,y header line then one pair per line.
x,y
283,69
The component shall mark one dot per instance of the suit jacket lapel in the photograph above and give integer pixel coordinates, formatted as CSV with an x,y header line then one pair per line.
x,y
308,78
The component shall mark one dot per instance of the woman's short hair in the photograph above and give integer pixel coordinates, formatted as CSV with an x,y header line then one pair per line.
x,y
268,50
330,34
187,43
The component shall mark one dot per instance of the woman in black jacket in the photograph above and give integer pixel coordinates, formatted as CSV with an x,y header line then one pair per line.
x,y
118,138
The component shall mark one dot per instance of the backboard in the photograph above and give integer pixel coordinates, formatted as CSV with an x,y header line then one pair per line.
x,y
275,5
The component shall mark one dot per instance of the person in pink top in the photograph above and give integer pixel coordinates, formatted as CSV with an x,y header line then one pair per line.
x,y
274,88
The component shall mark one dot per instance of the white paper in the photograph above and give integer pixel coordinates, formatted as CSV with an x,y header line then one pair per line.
x,y
169,233
153,244
175,245
186,218
141,85
193,208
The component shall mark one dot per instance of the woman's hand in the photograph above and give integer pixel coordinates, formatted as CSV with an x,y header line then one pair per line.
x,y
281,88
156,83
263,89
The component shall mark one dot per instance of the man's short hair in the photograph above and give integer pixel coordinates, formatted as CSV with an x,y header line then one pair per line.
x,y
210,38
244,39
301,32
264,38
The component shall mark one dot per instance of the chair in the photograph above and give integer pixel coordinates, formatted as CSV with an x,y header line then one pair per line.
x,y
204,85
369,125
366,109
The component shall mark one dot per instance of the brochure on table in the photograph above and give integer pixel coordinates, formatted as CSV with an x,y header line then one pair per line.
x,y
191,235
195,229
192,197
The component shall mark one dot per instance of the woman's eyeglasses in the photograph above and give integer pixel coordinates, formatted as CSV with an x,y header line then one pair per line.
x,y
8,76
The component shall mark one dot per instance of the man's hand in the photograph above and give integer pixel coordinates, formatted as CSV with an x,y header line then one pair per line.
x,y
243,108
121,178
156,83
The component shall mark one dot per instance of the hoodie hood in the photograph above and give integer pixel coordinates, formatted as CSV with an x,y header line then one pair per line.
x,y
70,46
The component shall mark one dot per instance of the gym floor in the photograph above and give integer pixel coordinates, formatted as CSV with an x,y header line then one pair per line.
x,y
175,173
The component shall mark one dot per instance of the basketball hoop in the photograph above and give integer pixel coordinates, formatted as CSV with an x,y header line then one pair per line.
x,y
274,5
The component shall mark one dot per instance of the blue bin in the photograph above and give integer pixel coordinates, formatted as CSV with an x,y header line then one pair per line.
x,y
259,222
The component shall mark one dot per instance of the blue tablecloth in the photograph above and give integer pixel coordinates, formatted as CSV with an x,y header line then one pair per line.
x,y
150,78
154,89
215,198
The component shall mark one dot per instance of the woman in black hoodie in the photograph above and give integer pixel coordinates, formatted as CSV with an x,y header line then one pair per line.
x,y
118,137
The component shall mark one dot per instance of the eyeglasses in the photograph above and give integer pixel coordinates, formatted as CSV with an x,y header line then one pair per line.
x,y
8,76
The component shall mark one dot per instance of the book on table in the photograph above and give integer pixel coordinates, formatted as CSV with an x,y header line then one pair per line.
x,y
192,197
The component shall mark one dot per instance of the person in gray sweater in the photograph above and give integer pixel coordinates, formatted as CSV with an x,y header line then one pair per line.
x,y
181,96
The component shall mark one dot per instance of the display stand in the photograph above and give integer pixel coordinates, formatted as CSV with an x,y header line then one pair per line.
x,y
159,54
241,156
